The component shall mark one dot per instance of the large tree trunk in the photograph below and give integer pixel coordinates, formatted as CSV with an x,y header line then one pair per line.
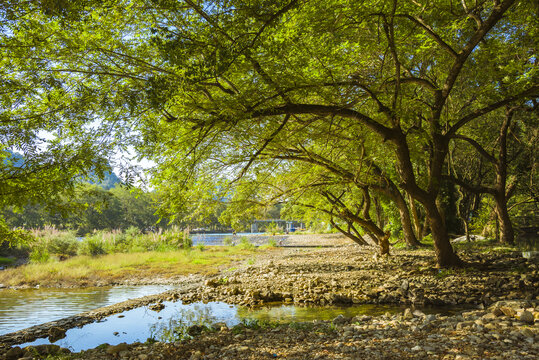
x,y
406,221
417,221
507,235
445,256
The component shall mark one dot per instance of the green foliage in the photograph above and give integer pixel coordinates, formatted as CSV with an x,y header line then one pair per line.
x,y
200,247
274,228
325,105
245,244
6,260
228,241
39,254
93,245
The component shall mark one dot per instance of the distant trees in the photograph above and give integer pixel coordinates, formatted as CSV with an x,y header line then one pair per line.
x,y
91,208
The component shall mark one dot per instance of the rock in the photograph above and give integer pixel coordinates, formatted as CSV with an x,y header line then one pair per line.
x,y
157,307
526,317
195,330
115,349
418,313
45,349
405,285
14,353
417,348
527,333
489,316
211,283
430,318
507,311
340,320
56,333
219,326
197,355
408,314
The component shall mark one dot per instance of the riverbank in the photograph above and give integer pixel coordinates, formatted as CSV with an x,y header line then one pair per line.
x,y
503,331
345,275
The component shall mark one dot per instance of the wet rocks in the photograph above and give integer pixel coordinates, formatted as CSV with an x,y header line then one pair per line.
x,y
115,349
56,333
157,307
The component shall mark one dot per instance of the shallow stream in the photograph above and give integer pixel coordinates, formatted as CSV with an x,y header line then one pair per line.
x,y
20,309
24,308
171,323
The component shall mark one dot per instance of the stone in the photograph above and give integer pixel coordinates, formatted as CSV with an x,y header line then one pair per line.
x,y
211,283
507,311
408,314
527,333
195,330
489,316
417,348
405,285
56,333
115,349
340,320
197,355
14,353
220,326
526,317
157,307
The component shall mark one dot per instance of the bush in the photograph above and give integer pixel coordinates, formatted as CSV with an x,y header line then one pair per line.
x,y
201,247
228,241
245,244
39,254
187,242
63,245
93,245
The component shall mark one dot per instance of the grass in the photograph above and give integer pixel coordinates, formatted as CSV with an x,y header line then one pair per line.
x,y
89,270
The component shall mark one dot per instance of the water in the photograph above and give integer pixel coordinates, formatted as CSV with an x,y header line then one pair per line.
x,y
217,239
20,309
171,323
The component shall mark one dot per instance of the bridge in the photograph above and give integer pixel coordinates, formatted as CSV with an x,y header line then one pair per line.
x,y
289,225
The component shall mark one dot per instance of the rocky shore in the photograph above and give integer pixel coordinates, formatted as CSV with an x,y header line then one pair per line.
x,y
506,330
347,275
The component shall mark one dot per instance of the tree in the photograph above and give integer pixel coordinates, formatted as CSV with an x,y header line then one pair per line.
x,y
230,80
47,141
500,158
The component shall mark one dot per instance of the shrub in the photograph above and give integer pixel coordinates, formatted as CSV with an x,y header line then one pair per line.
x,y
187,242
245,244
228,241
63,245
39,254
200,247
93,245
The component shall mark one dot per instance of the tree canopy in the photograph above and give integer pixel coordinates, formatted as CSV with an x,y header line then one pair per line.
x,y
233,100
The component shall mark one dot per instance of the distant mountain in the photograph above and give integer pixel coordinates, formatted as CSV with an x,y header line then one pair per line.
x,y
109,181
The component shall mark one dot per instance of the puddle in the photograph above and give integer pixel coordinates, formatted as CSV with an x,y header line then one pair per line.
x,y
20,309
170,324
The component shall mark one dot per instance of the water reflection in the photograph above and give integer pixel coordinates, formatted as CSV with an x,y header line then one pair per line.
x,y
140,324
20,309
171,323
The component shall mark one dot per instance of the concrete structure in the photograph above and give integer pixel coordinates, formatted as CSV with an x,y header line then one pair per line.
x,y
288,225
